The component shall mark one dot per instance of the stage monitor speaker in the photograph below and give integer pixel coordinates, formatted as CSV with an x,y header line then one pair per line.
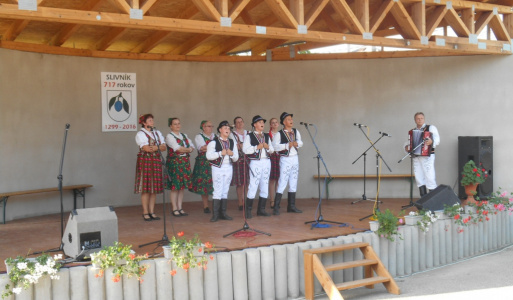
x,y
89,230
437,198
480,150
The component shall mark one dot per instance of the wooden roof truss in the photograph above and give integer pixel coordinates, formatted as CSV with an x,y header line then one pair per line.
x,y
211,30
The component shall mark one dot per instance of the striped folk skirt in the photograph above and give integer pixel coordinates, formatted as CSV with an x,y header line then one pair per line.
x,y
148,173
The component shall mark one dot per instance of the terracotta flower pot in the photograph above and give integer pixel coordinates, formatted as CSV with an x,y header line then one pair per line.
x,y
470,190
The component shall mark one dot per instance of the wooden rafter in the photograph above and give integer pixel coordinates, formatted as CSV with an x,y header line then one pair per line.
x,y
434,19
361,11
380,15
482,21
107,40
314,11
237,8
208,9
15,29
405,22
282,12
122,5
190,44
348,17
499,29
456,23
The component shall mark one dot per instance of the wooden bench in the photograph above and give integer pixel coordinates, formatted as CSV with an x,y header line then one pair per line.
x,y
78,190
360,176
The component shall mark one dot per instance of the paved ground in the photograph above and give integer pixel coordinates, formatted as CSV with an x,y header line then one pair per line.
x,y
487,277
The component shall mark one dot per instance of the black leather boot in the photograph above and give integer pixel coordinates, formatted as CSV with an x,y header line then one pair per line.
x,y
277,200
261,207
249,206
216,204
291,204
422,190
222,214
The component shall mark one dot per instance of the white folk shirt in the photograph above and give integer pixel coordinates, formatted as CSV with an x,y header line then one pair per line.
x,y
213,155
200,141
278,146
248,149
142,140
173,144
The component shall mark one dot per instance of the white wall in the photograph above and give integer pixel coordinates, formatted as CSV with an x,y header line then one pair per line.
x,y
40,93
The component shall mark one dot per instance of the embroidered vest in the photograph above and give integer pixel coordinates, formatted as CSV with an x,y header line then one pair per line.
x,y
184,142
254,142
151,142
219,147
415,139
285,139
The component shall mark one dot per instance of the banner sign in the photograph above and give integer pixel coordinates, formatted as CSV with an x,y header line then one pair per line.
x,y
119,102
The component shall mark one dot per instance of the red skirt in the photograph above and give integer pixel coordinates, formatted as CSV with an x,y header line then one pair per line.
x,y
275,166
148,173
240,169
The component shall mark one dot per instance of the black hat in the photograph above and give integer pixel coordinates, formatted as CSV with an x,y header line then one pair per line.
x,y
256,119
223,123
283,116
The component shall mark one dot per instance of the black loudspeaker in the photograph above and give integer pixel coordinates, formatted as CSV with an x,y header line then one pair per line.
x,y
89,230
480,150
437,198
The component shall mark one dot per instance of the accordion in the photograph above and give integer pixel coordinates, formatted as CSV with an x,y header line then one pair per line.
x,y
416,137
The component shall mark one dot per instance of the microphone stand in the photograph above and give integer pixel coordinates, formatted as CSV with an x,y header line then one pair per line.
x,y
378,156
164,240
364,154
411,173
59,177
320,218
245,227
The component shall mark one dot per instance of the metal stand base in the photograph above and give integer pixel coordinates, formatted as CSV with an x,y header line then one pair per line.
x,y
246,227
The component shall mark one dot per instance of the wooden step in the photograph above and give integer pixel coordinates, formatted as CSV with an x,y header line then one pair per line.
x,y
336,248
361,282
351,264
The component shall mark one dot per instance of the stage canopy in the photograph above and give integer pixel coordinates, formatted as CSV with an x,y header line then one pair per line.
x,y
256,30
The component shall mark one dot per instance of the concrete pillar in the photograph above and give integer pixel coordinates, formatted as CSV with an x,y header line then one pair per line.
x,y
383,248
95,285
415,249
130,288
224,274
4,279
240,263
293,270
357,255
495,231
60,287
392,256
196,283
445,226
180,283
338,257
210,279
267,270
163,280
317,284
78,283
301,266
254,274
327,258
466,240
148,287
422,250
280,271
403,256
43,288
114,290
439,224
429,248
471,239
348,256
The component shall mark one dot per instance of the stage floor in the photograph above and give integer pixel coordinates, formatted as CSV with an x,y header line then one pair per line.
x,y
25,236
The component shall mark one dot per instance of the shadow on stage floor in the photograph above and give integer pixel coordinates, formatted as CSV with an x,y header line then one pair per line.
x,y
24,236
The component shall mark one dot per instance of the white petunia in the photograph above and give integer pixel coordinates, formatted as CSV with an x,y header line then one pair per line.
x,y
21,265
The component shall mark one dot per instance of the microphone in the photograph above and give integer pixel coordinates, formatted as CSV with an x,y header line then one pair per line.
x,y
67,126
359,125
385,134
304,123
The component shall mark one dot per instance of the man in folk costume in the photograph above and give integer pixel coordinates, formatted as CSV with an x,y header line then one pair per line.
x,y
423,156
286,143
258,148
221,155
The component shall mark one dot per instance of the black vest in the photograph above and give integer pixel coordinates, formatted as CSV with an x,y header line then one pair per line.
x,y
254,142
284,139
218,162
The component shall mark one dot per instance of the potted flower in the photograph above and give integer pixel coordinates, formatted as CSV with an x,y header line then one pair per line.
x,y
122,259
425,218
470,178
187,253
388,224
23,272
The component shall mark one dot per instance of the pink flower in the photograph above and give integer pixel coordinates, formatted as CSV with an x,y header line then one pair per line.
x,y
173,272
400,221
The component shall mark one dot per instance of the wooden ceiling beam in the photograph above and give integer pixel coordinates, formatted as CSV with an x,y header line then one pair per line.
x,y
107,40
348,17
281,11
434,19
380,15
464,4
222,7
49,14
15,29
418,15
361,11
405,22
468,18
190,44
147,6
456,23
482,21
122,5
499,29
297,9
208,9
151,42
237,8
315,11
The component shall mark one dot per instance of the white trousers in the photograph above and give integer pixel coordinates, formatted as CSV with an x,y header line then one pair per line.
x,y
221,179
424,169
289,171
259,173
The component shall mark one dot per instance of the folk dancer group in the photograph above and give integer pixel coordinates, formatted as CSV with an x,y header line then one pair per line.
x,y
241,158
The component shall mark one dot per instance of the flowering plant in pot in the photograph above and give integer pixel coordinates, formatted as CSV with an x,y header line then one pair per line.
x,y
471,177
25,271
188,253
427,218
122,259
388,224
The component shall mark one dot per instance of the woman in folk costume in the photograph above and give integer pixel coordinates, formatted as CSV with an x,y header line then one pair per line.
x,y
258,148
275,162
179,147
287,143
241,168
148,171
221,153
202,173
